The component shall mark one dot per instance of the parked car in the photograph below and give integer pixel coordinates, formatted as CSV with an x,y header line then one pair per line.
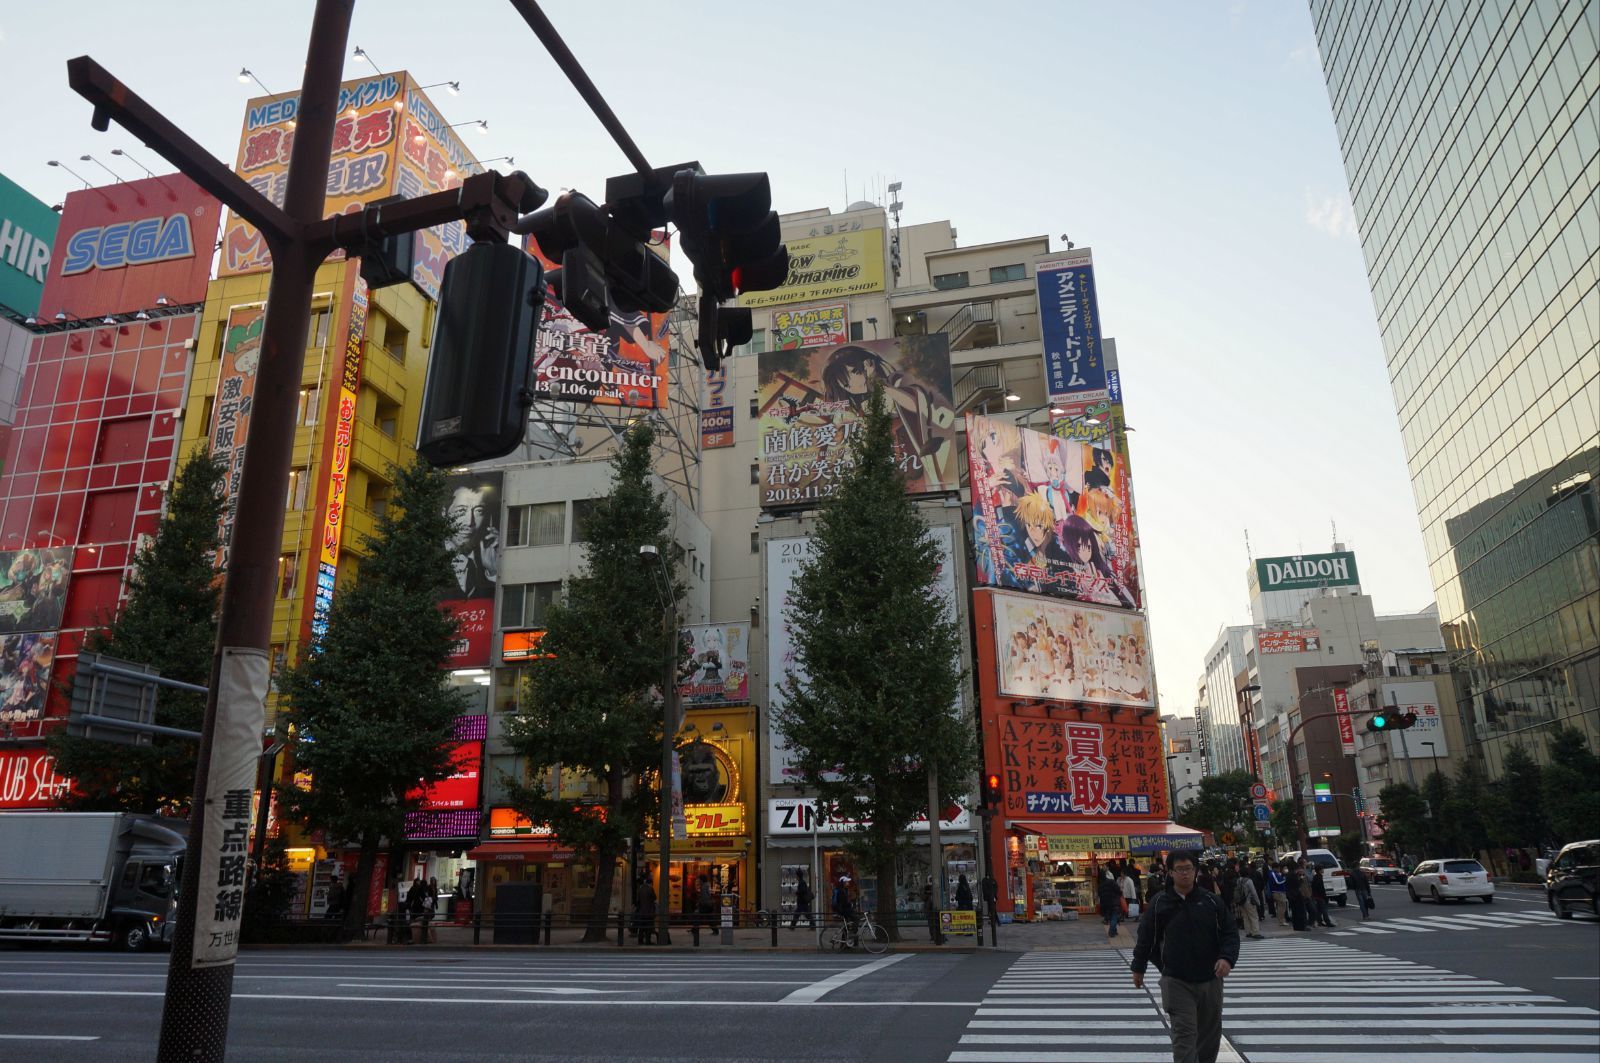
x,y
1574,879
1454,879
1333,872
1382,869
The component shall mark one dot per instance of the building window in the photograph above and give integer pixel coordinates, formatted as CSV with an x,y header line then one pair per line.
x,y
543,524
755,408
856,332
950,280
386,414
298,479
527,604
317,332
288,569
755,542
755,472
1001,274
394,341
581,509
377,497
309,408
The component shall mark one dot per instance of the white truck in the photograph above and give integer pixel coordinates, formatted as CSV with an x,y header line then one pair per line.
x,y
90,876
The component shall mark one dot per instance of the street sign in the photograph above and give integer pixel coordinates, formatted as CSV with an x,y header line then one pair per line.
x,y
1258,792
1263,814
1227,837
1324,793
1323,832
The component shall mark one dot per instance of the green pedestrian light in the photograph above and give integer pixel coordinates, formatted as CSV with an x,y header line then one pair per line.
x,y
1379,722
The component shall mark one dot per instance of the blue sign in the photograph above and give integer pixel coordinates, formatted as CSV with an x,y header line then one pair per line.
x,y
1263,814
1069,325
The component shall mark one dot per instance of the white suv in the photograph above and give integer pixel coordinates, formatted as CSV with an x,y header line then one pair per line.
x,y
1454,880
1333,872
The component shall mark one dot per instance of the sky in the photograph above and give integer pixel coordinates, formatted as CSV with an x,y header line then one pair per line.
x,y
1189,144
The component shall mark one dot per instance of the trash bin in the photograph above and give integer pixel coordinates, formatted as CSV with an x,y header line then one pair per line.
x,y
516,913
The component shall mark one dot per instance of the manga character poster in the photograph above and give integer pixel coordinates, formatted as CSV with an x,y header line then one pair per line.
x,y
33,588
812,404
1052,515
25,663
1066,652
717,669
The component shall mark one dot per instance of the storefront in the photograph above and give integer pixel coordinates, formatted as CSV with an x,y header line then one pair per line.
x,y
1054,869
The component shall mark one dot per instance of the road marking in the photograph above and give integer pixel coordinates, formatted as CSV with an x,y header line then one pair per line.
x,y
1298,1056
43,1037
571,1002
817,990
1290,1037
573,990
1577,978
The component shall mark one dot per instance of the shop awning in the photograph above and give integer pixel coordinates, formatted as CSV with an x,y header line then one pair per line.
x,y
1142,838
522,851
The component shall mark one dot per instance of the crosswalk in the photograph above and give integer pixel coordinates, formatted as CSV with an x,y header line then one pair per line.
x,y
1292,1000
1446,921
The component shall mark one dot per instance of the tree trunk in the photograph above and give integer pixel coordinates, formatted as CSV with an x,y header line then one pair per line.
x,y
359,889
886,906
605,870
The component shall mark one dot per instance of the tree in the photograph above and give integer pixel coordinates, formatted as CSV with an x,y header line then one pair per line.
x,y
1467,809
1405,819
170,623
593,705
369,706
1441,835
1285,824
1571,786
1518,817
870,707
1223,804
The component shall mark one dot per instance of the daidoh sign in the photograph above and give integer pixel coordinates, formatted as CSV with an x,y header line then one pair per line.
x,y
1307,571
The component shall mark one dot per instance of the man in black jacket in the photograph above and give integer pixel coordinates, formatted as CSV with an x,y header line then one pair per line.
x,y
1194,944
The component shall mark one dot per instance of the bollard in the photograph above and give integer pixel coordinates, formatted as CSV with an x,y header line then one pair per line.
x,y
725,930
773,923
477,928
549,918
694,932
621,928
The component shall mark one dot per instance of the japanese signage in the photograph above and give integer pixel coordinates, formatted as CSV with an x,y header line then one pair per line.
x,y
1069,324
33,588
1422,699
1153,843
717,670
507,822
1086,843
27,229
798,815
811,326
230,420
812,403
1347,728
521,646
1066,652
474,548
1297,640
835,265
459,789
122,247
28,779
960,922
1052,515
335,492
1077,769
431,158
719,820
25,663
1323,792
716,412
1307,572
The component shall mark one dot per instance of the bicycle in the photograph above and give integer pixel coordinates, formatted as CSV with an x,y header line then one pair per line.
x,y
841,936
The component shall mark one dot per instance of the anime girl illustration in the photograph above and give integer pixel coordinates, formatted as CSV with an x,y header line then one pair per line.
x,y
849,376
1091,575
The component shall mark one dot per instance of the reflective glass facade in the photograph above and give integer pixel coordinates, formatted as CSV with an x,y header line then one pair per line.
x,y
1470,131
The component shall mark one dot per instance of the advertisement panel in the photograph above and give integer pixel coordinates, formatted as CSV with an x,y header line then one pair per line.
x,y
1051,515
1307,572
25,663
336,482
1347,727
832,266
1069,324
717,670
27,230
798,815
33,588
459,789
1295,640
1076,769
474,548
362,168
811,326
1065,652
811,403
28,779
716,411
230,420
1422,699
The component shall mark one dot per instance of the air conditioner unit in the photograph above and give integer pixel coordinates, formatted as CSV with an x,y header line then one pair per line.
x,y
188,345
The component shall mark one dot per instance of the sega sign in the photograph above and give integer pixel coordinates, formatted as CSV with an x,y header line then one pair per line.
x,y
121,247
129,243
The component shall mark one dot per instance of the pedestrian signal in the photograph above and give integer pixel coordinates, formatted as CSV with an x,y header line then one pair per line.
x,y
991,788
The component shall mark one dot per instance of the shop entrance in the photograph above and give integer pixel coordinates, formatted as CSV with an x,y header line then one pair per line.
x,y
724,872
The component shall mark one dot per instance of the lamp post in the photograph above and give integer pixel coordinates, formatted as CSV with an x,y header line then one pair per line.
x,y
669,730
1434,753
1247,728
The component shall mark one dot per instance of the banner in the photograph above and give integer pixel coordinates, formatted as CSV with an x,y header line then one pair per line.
x,y
230,420
27,230
25,664
28,779
33,588
1422,699
832,266
1069,324
459,789
1074,769
1065,652
717,670
1295,640
1052,515
474,548
330,517
431,158
812,403
812,326
1347,727
1306,572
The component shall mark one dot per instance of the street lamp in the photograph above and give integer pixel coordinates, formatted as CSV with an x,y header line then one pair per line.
x,y
669,730
1434,753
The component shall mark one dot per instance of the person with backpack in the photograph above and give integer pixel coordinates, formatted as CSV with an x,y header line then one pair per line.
x,y
1110,896
843,907
1278,892
1192,940
1247,901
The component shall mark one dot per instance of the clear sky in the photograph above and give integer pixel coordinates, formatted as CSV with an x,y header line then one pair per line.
x,y
1190,144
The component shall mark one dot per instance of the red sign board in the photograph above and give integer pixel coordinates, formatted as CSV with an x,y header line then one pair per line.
x,y
459,789
28,779
474,618
1347,727
122,247
1291,641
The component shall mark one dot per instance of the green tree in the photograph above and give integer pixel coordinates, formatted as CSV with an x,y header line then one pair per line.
x,y
1572,786
869,707
170,623
1518,817
1468,807
593,707
1442,837
1223,805
370,707
1285,825
1406,824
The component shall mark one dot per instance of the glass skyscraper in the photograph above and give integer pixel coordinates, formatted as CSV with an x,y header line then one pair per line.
x,y
1470,130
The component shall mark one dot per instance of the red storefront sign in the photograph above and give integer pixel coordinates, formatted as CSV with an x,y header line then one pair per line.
x,y
459,789
28,779
1347,727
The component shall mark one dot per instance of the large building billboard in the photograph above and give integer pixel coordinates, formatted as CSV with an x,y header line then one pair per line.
x,y
474,548
1066,652
338,448
33,588
26,661
626,365
121,247
1069,324
1307,572
27,231
716,670
1052,515
812,403
837,265
1422,699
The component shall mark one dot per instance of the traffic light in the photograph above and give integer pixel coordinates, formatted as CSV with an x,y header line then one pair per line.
x,y
1380,721
727,227
991,789
605,262
1392,719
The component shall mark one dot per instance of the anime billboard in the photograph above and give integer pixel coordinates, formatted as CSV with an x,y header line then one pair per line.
x,y
812,403
33,588
717,668
1052,515
1065,652
25,663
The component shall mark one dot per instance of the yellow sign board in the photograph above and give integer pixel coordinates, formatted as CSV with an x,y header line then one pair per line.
x,y
958,923
835,266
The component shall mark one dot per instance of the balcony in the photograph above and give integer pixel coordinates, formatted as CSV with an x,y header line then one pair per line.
x,y
973,325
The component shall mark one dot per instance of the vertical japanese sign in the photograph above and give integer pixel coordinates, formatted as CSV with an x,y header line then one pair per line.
x,y
716,413
230,420
330,520
431,159
1347,728
1069,324
474,548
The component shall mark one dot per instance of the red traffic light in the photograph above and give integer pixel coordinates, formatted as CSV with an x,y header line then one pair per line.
x,y
991,788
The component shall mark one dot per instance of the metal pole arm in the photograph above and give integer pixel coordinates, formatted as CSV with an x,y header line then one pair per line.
x,y
490,202
114,100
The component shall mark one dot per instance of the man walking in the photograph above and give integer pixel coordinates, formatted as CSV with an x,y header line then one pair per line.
x,y
1194,944
802,901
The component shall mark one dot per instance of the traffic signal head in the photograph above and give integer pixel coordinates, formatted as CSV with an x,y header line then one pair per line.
x,y
1380,721
991,788
728,229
